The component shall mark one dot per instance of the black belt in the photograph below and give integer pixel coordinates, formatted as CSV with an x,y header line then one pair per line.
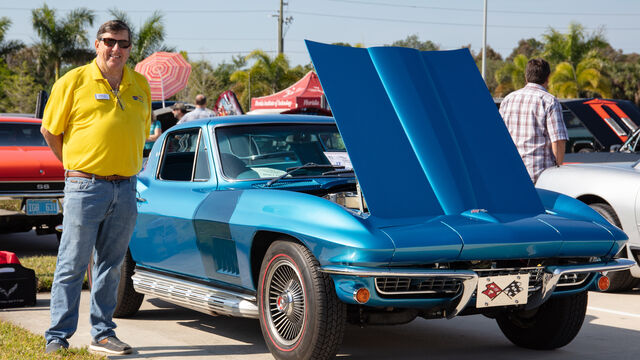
x,y
73,173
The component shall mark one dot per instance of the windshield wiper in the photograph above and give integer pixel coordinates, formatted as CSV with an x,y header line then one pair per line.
x,y
305,166
338,172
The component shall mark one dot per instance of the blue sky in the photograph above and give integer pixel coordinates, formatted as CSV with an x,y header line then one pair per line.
x,y
215,30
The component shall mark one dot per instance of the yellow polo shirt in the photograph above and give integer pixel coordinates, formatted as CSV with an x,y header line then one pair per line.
x,y
102,135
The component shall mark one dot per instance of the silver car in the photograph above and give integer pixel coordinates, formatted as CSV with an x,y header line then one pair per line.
x,y
613,190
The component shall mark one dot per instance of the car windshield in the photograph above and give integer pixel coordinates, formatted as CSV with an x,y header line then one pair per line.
x,y
21,134
267,151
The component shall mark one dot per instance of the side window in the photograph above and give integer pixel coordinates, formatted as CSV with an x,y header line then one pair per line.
x,y
178,156
202,161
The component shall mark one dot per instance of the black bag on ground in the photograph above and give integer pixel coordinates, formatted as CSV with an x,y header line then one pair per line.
x,y
17,286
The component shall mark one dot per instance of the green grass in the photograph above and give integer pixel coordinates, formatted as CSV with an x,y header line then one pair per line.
x,y
17,343
44,266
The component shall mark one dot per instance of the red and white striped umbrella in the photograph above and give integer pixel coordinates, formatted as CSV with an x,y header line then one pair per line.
x,y
166,72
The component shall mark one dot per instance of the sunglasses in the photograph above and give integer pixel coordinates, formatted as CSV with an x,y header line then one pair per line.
x,y
123,44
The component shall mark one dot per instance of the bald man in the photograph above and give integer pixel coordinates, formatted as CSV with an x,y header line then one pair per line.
x,y
200,112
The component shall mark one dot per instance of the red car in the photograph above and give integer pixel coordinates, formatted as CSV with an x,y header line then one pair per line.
x,y
31,178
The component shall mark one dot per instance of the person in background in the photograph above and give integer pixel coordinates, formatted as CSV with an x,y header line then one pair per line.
x,y
534,119
96,122
200,112
179,110
154,133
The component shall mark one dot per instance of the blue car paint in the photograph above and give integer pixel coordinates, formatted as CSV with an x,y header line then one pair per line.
x,y
444,111
206,230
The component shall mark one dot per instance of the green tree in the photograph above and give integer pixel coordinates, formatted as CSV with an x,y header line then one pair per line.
x,y
11,46
412,41
584,80
148,39
625,78
62,41
510,76
530,48
573,46
266,76
19,92
577,57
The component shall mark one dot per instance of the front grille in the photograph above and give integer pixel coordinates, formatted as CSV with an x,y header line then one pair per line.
x,y
36,187
572,279
426,285
535,275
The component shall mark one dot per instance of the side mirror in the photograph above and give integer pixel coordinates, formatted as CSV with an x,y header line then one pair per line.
x,y
41,102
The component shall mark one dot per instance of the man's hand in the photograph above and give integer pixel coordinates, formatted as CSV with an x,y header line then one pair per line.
x,y
54,142
558,150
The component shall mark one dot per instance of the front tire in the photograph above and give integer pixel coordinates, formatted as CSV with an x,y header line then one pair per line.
x,y
300,314
552,325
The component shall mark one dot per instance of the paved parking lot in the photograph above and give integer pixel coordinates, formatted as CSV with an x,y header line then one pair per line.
x,y
163,331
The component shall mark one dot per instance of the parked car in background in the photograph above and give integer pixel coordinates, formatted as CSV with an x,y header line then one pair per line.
x,y
613,190
31,178
596,125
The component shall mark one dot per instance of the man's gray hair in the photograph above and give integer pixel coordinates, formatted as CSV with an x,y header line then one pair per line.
x,y
113,26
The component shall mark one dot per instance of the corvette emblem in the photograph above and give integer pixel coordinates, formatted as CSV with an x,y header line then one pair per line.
x,y
8,293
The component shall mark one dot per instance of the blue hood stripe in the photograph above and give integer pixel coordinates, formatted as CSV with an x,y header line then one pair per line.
x,y
401,110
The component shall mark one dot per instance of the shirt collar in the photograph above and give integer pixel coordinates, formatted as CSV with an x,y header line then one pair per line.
x,y
97,74
536,86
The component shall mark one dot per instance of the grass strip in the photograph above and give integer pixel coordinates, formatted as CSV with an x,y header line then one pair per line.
x,y
44,266
19,344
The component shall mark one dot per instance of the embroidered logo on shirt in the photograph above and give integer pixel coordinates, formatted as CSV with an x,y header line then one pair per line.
x,y
138,98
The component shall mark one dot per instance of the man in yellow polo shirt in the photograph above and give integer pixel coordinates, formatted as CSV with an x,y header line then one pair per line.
x,y
96,122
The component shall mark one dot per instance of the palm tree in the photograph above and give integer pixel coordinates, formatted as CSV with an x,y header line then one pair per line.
x,y
148,39
266,76
62,41
573,46
585,80
11,46
578,63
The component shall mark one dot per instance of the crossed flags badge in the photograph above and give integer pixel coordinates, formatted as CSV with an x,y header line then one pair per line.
x,y
514,288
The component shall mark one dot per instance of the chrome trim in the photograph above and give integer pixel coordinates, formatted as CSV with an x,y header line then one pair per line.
x,y
411,292
550,278
468,277
39,194
552,275
195,296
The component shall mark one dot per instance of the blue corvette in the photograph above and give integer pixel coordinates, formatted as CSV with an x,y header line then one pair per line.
x,y
430,215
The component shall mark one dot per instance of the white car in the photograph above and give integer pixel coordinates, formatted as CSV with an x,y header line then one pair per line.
x,y
613,190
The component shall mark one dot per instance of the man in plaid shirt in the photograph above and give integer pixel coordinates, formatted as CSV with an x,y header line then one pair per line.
x,y
534,119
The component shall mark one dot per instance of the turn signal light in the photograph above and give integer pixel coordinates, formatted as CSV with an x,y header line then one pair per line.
x,y
604,283
361,295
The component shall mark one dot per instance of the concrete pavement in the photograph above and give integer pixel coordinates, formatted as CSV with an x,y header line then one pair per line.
x,y
163,331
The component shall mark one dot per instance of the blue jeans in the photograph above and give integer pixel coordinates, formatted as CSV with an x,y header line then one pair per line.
x,y
98,215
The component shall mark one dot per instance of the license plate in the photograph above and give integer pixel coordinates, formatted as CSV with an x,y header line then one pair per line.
x,y
42,207
502,290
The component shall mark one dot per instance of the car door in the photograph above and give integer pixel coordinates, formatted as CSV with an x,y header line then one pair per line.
x,y
168,197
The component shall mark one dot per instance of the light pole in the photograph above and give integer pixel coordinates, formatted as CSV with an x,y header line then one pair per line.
x,y
484,41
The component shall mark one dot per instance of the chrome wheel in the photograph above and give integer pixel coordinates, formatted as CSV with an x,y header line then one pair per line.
x,y
286,302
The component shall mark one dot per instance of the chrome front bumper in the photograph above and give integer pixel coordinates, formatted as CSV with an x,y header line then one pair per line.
x,y
469,278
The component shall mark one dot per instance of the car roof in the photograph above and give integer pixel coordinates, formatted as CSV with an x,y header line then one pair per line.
x,y
259,119
19,118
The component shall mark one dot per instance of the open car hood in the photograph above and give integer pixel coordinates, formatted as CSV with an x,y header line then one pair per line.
x,y
434,158
610,121
422,132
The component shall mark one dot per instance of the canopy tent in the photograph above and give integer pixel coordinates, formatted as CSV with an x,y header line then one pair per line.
x,y
307,93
